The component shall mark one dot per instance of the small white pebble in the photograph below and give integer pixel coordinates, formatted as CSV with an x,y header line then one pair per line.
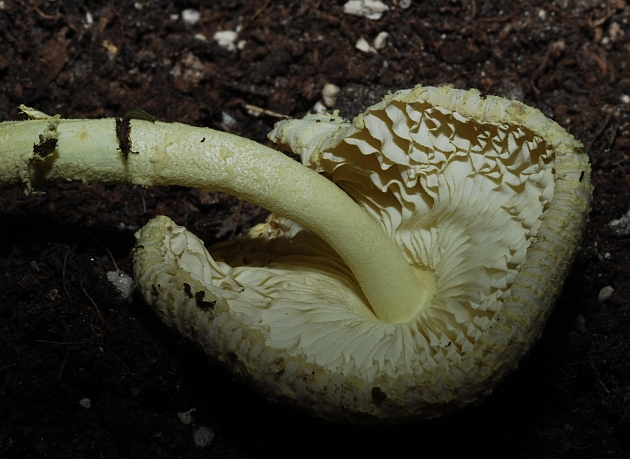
x,y
174,17
605,293
371,9
137,5
404,4
203,436
319,108
186,417
89,20
625,98
542,14
226,39
329,94
190,16
607,256
621,227
85,403
228,121
363,45
381,40
123,282
200,37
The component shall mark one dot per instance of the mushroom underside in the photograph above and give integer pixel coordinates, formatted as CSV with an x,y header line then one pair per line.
x,y
474,203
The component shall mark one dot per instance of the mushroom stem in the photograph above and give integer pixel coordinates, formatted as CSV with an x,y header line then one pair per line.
x,y
177,154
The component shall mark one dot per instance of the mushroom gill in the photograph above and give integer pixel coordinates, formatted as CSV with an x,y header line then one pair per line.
x,y
485,198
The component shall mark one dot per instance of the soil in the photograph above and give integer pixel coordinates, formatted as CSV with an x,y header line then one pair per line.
x,y
66,335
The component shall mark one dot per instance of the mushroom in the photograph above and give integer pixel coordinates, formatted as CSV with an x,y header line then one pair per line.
x,y
407,295
485,198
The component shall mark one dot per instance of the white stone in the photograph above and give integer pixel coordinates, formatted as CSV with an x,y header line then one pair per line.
x,y
381,40
226,39
371,9
228,121
203,436
85,403
605,293
319,108
190,16
123,282
329,94
363,45
621,227
186,417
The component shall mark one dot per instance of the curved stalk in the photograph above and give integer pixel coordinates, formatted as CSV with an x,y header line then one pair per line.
x,y
177,154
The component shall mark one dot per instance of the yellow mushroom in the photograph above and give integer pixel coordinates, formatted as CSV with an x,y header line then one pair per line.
x,y
407,295
485,198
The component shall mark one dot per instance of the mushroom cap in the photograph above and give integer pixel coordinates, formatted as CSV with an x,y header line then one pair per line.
x,y
485,197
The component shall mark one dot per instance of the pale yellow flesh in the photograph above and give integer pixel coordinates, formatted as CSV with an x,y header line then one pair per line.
x,y
177,154
324,379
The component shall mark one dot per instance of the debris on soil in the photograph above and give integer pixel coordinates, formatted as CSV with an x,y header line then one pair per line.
x,y
329,94
371,9
605,293
621,227
203,437
123,282
226,39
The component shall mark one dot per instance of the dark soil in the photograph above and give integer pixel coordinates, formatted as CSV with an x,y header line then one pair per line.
x,y
65,333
